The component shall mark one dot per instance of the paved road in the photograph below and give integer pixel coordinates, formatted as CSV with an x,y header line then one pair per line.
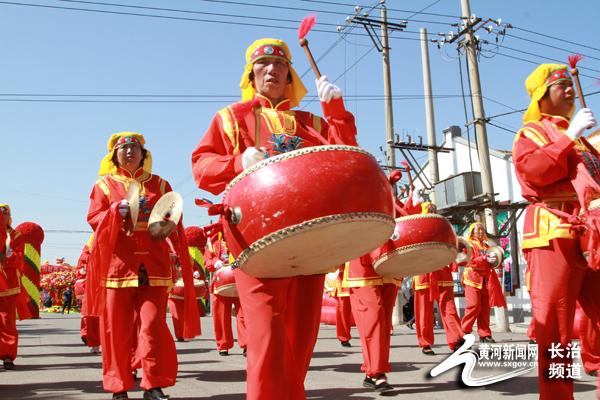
x,y
54,364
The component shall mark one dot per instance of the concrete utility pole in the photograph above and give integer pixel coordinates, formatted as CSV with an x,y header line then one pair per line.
x,y
482,142
430,116
387,89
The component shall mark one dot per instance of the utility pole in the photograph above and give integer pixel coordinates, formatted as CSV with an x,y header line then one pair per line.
x,y
470,44
387,89
430,116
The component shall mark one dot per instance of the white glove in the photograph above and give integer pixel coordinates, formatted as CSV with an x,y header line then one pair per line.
x,y
218,264
251,156
584,119
417,198
491,258
123,208
196,275
327,90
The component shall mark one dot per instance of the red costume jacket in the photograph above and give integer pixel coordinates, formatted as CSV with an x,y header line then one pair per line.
x,y
11,268
542,167
138,249
218,157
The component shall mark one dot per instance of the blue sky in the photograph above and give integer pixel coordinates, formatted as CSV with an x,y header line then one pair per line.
x,y
166,77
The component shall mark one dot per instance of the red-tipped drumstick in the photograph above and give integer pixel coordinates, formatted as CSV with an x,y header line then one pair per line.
x,y
410,180
573,60
305,26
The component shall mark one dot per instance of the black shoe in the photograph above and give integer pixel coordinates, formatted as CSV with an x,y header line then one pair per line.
x,y
9,364
457,345
487,339
84,340
592,373
428,351
346,343
155,394
245,352
532,341
223,352
378,384
180,339
120,396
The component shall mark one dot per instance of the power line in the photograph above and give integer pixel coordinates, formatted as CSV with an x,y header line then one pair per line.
x,y
547,58
389,9
556,38
551,46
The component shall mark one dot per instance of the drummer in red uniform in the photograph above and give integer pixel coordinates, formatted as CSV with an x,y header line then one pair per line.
x,y
282,315
550,153
13,297
90,325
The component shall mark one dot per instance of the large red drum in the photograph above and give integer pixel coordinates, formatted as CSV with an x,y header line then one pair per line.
x,y
307,211
421,243
199,288
224,282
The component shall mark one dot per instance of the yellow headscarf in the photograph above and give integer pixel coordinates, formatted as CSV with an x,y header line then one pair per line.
x,y
107,166
472,228
425,207
294,91
7,207
537,85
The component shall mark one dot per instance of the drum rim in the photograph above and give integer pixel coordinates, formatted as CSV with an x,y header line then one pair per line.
x,y
386,256
422,216
293,230
293,154
223,287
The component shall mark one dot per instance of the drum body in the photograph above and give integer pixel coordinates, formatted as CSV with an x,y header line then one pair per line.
x,y
307,211
224,282
421,243
199,288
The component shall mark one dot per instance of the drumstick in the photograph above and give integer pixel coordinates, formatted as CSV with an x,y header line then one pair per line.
x,y
305,26
257,110
410,180
573,60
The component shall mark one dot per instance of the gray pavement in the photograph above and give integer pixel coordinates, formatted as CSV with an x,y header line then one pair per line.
x,y
54,364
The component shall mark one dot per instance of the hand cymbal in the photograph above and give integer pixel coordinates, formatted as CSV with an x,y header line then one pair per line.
x,y
165,215
133,197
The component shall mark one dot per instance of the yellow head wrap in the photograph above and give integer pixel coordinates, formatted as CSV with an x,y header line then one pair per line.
x,y
472,228
537,84
425,207
294,91
107,166
5,208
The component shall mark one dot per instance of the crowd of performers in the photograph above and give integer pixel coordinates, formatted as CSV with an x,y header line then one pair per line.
x,y
132,277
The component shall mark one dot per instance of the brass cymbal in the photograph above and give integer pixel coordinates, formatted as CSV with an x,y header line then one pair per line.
x,y
165,215
133,197
462,257
499,252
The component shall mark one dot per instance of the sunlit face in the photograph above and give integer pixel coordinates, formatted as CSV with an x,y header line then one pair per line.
x,y
271,78
129,156
479,232
559,99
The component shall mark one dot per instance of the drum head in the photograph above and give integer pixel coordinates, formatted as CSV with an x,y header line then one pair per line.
x,y
415,260
314,247
228,290
165,215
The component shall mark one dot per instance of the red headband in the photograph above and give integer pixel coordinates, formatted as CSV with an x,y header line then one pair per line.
x,y
558,76
125,140
268,50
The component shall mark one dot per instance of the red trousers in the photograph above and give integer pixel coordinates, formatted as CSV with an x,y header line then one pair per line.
x,y
9,337
176,309
222,321
424,316
155,346
557,281
589,337
282,317
372,308
90,329
478,308
343,318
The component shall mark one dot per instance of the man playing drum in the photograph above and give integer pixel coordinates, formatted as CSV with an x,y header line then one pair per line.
x,y
550,155
282,314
